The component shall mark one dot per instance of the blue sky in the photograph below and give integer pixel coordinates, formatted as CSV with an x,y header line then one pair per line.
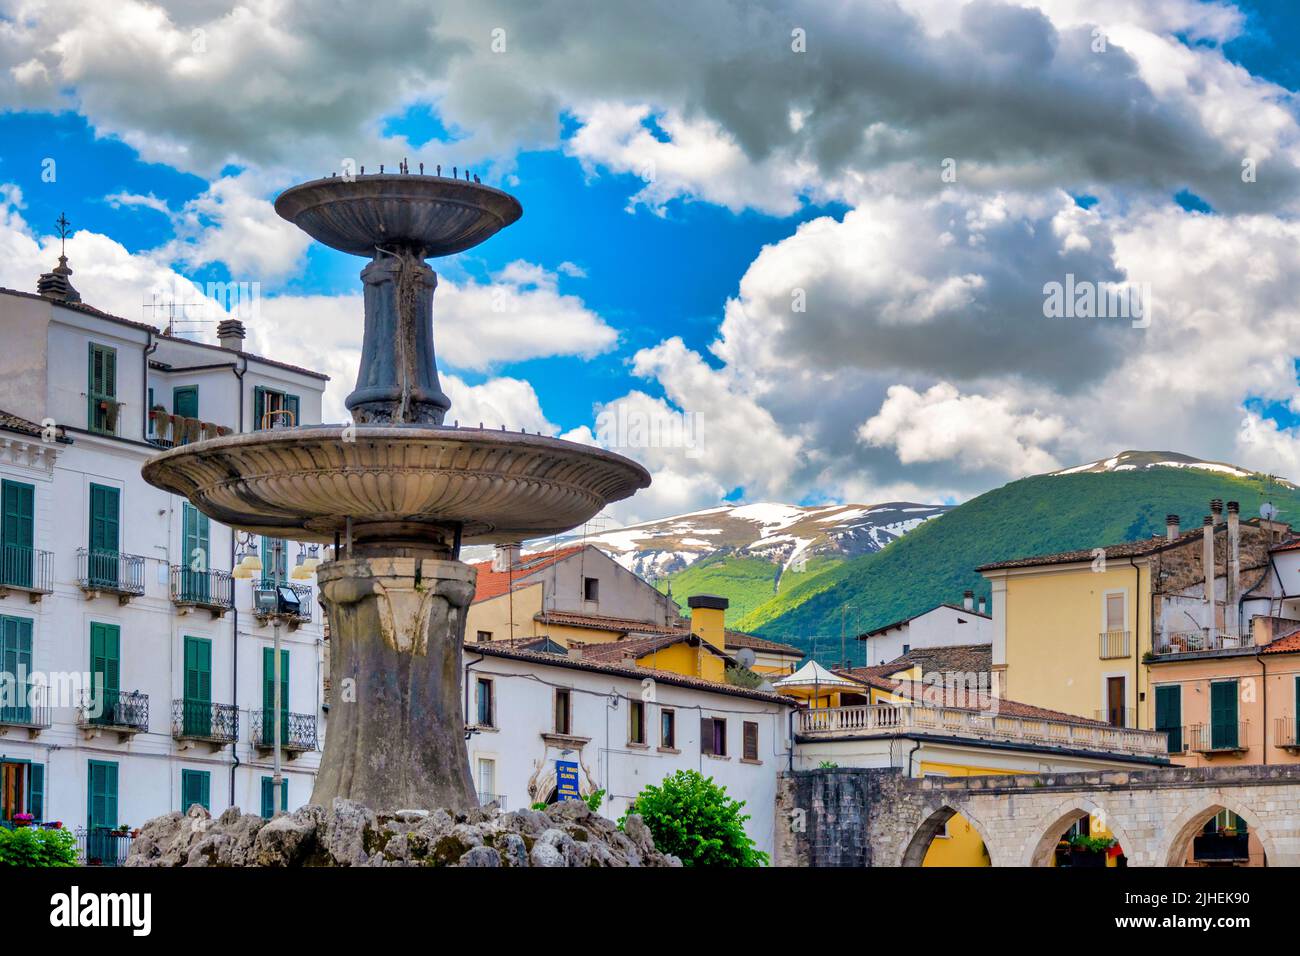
x,y
921,368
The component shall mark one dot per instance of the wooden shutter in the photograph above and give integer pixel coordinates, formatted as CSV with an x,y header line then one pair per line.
x,y
268,694
706,735
17,533
1223,715
102,811
196,787
259,406
1169,715
268,794
36,791
185,401
16,658
750,751
105,662
291,403
105,522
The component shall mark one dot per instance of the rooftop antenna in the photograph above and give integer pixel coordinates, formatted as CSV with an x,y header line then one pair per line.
x,y
63,230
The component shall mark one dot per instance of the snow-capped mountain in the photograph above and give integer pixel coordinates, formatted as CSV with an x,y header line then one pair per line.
x,y
781,534
1142,460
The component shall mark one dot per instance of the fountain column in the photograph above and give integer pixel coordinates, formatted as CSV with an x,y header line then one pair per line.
x,y
396,734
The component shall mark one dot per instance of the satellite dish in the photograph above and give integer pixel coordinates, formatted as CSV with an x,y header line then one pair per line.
x,y
1267,511
745,656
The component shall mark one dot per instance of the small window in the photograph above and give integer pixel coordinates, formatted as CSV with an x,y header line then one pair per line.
x,y
484,636
751,740
591,589
907,648
713,737
487,780
1114,612
563,713
636,722
668,729
486,704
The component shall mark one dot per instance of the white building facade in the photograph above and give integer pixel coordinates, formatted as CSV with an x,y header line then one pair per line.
x,y
944,626
139,674
544,727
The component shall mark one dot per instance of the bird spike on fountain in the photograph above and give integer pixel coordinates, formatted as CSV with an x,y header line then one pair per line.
x,y
406,491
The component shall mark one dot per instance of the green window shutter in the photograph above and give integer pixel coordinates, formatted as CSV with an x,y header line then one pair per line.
x,y
269,563
1169,715
268,695
196,716
1223,715
36,791
105,667
101,383
102,809
291,403
195,547
16,658
185,401
105,530
268,795
196,787
17,533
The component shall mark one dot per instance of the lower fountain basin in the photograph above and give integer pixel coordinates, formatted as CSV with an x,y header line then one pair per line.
x,y
304,483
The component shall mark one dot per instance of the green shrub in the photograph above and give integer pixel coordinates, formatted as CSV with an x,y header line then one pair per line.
x,y
32,846
692,818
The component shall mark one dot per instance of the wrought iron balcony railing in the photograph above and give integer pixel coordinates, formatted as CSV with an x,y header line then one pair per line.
x,y
297,731
1198,641
100,846
202,720
487,799
1177,738
1219,738
26,569
211,590
1114,644
1221,847
121,711
110,571
30,707
168,431
303,591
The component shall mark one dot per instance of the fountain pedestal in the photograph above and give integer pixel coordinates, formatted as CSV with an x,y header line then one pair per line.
x,y
396,735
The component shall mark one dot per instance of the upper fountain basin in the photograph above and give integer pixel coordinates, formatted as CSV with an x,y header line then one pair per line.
x,y
435,215
304,483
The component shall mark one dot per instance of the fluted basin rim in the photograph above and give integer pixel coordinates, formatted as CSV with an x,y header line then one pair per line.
x,y
302,483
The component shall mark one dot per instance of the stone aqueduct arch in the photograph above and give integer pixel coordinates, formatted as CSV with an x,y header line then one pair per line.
x,y
1154,814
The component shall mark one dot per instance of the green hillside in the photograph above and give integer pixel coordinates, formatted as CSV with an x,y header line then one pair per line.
x,y
1038,515
746,582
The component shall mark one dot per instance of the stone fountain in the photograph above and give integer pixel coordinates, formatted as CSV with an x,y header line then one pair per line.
x,y
402,490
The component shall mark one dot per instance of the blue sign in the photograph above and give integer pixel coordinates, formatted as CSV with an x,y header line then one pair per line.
x,y
566,780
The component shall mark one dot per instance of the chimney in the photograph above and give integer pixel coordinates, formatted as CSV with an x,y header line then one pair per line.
x,y
709,619
505,556
1207,562
968,600
1216,507
230,333
982,606
1171,527
1234,562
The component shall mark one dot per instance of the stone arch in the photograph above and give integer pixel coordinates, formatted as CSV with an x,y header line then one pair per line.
x,y
925,831
1054,823
1191,820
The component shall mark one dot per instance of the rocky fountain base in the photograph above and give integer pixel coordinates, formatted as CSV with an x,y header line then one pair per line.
x,y
349,834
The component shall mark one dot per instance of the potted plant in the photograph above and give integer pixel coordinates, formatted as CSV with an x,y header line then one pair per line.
x,y
23,819
1089,851
158,415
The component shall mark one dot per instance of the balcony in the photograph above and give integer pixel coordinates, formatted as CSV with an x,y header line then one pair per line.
x,y
1201,640
1116,716
1177,739
1211,739
103,847
27,570
110,572
168,431
489,799
212,591
103,414
890,720
31,714
1221,848
266,586
1113,644
202,722
297,732
1285,734
125,714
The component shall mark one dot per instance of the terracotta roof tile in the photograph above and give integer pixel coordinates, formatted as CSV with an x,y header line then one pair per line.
x,y
1287,644
22,426
637,647
741,639
492,584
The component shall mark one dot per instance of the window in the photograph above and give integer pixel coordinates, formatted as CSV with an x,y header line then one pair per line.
x,y
105,527
22,788
15,659
274,409
268,696
101,390
105,672
668,729
563,713
713,737
636,722
486,705
196,787
195,547
1169,714
185,401
487,779
750,740
484,636
271,564
1115,612
196,707
17,533
1223,715
268,796
591,589
101,811
907,648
